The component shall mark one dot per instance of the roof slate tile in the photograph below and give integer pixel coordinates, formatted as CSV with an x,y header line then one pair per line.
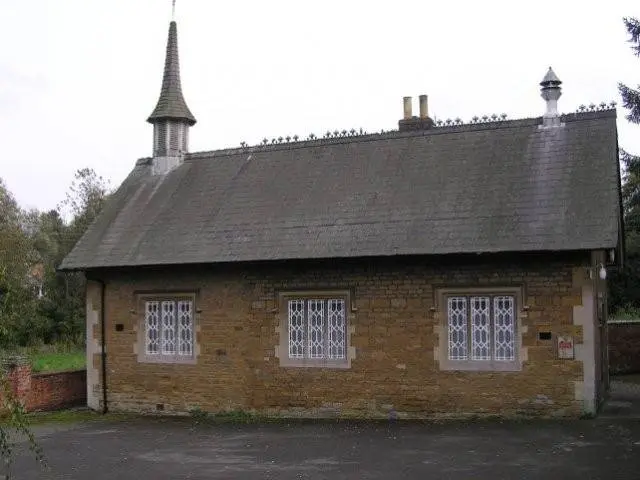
x,y
513,187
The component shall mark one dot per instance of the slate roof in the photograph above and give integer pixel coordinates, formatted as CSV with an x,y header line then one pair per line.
x,y
550,78
171,104
500,187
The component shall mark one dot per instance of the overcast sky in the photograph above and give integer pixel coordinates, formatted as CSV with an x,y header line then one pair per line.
x,y
78,78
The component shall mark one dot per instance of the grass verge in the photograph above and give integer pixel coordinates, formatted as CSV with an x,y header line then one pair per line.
x,y
74,415
58,361
51,358
80,415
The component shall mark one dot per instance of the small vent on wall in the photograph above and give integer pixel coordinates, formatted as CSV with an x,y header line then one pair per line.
x,y
544,335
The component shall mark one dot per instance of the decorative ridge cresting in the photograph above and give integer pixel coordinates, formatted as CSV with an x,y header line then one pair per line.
x,y
592,107
440,126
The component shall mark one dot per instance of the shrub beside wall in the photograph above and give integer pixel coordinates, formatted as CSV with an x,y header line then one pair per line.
x,y
624,346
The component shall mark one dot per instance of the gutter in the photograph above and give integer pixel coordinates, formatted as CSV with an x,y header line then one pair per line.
x,y
103,352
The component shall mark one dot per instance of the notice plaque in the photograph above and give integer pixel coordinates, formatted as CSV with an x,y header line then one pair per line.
x,y
565,347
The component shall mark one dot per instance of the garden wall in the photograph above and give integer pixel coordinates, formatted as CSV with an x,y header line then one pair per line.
x,y
47,391
624,347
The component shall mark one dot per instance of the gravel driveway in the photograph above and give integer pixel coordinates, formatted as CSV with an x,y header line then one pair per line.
x,y
152,448
172,449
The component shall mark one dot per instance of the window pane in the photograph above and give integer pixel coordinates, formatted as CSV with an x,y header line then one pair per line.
x,y
316,328
152,327
296,329
185,328
504,328
336,329
457,319
480,328
168,328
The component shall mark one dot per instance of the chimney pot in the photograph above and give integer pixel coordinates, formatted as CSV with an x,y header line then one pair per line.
x,y
410,123
407,107
424,109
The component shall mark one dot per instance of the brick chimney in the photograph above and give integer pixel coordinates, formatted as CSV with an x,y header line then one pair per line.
x,y
412,123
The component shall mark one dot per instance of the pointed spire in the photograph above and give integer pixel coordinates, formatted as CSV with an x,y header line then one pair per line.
x,y
171,104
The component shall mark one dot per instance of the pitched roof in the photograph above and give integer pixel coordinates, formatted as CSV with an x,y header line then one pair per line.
x,y
171,103
504,186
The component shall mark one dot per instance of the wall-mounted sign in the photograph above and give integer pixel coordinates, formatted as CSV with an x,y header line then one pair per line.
x,y
565,347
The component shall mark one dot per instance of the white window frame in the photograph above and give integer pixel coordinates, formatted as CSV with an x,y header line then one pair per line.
x,y
459,347
302,316
171,321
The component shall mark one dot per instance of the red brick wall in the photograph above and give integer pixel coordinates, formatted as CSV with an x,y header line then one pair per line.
x,y
624,347
19,377
48,391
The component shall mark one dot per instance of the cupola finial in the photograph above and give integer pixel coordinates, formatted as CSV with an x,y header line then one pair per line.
x,y
173,10
551,92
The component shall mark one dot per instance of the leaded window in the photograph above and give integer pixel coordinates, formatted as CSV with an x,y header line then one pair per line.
x,y
317,329
481,328
169,329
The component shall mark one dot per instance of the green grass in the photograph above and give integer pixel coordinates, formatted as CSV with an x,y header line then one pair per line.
x,y
58,361
64,417
72,416
52,358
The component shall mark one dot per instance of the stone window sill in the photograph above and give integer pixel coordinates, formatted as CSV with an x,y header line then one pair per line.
x,y
304,363
163,359
481,366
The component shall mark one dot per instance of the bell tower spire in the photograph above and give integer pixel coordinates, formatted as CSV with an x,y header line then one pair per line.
x,y
171,119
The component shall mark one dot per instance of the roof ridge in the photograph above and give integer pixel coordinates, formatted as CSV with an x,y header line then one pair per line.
x,y
344,136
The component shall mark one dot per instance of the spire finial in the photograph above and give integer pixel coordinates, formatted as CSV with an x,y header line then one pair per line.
x,y
173,10
171,104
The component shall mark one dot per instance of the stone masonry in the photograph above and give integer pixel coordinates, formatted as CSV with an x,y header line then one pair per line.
x,y
394,324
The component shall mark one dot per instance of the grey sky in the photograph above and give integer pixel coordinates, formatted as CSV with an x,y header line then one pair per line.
x,y
78,78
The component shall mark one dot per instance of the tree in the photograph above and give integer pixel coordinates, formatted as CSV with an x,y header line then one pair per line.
x,y
631,163
14,422
631,97
17,256
625,285
17,310
631,200
38,304
63,303
86,197
33,239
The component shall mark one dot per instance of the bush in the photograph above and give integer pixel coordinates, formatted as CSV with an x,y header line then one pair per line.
x,y
13,423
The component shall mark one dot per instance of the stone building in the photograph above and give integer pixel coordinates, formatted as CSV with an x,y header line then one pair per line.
x,y
441,269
